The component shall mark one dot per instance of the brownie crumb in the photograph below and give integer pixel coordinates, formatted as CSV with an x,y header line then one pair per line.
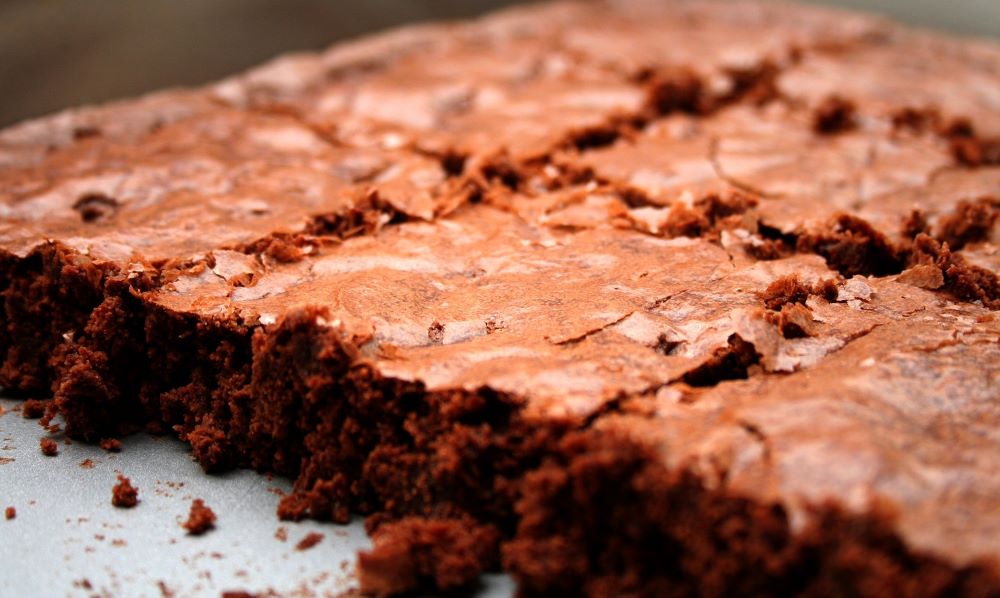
x,y
767,249
852,246
973,151
94,207
200,519
49,447
916,120
87,464
971,221
10,513
436,332
416,552
709,215
727,363
211,447
112,445
33,409
795,321
957,128
284,251
281,534
913,224
680,90
309,540
594,137
790,289
86,132
165,591
961,279
124,495
834,115
755,85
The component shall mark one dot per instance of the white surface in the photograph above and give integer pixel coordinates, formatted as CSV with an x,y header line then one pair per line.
x,y
66,530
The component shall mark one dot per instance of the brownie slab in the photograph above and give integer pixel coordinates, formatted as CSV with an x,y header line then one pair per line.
x,y
620,297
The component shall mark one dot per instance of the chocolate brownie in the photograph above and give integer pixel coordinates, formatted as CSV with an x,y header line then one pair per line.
x,y
49,447
623,297
201,518
124,495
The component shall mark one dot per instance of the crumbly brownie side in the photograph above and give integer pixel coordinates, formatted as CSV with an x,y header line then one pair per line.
x,y
601,516
44,296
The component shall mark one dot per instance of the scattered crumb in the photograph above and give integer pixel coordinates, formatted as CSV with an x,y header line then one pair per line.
x,y
83,583
281,534
33,409
119,542
49,447
53,429
10,512
2,411
124,495
834,115
200,519
309,540
87,464
112,445
6,460
436,332
165,591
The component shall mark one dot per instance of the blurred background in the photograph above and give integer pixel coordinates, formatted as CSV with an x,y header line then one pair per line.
x,y
60,53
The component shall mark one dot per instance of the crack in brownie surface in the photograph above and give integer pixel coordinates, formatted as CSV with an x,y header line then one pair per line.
x,y
678,298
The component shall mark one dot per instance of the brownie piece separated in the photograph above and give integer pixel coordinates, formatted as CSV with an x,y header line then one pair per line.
x,y
623,297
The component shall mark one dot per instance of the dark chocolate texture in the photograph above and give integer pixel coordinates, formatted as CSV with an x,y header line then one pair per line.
x,y
623,297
